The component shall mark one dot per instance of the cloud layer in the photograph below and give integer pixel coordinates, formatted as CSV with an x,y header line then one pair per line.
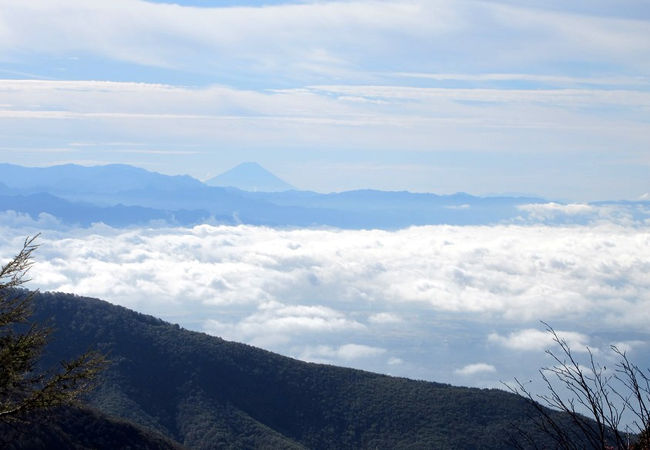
x,y
421,302
507,272
309,39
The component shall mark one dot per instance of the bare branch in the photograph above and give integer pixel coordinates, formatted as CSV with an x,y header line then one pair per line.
x,y
606,396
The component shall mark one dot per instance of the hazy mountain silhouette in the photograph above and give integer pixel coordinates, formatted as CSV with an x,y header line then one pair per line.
x,y
72,180
250,176
85,214
131,196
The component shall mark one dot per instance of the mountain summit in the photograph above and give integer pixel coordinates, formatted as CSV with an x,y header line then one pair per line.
x,y
250,176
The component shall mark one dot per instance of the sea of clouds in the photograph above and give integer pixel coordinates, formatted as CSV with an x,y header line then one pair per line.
x,y
458,304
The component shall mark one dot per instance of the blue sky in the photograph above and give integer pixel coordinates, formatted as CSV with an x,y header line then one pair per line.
x,y
539,97
442,96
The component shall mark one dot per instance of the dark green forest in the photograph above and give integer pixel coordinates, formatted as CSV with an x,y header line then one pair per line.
x,y
77,428
164,383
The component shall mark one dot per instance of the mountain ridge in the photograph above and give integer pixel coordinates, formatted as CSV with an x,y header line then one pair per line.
x,y
132,196
205,392
67,178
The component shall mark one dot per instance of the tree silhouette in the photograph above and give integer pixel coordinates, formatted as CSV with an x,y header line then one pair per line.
x,y
594,399
25,390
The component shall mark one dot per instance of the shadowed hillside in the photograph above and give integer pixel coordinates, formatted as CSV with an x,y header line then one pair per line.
x,y
81,428
206,392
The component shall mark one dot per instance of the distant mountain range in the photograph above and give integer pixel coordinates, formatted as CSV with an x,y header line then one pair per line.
x,y
121,195
72,180
207,393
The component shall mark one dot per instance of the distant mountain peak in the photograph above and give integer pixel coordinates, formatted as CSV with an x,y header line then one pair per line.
x,y
250,176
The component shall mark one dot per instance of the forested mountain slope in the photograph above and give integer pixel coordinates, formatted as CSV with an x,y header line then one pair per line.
x,y
206,392
76,428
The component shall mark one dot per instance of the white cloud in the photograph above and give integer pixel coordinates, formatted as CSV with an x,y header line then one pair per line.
x,y
550,79
354,351
385,318
532,339
476,368
313,37
274,323
346,352
546,210
262,37
304,279
583,213
552,97
39,99
553,212
392,301
630,346
16,220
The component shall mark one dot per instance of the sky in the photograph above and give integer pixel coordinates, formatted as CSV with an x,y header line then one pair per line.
x,y
550,98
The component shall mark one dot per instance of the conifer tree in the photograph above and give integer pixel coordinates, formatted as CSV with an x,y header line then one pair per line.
x,y
24,389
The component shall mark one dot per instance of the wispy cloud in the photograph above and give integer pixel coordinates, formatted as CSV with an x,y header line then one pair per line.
x,y
631,81
258,39
336,116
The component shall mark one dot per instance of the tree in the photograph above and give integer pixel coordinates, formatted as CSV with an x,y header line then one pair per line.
x,y
605,396
25,390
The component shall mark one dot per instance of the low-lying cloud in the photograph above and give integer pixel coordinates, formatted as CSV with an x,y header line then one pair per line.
x,y
473,369
346,352
274,322
422,301
537,340
505,272
582,213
